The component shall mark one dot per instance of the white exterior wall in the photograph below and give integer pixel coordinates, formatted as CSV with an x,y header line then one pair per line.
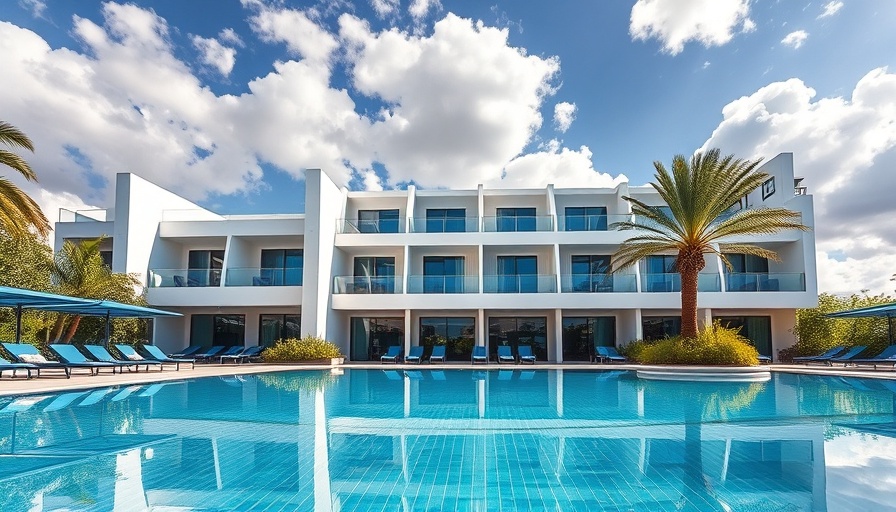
x,y
153,228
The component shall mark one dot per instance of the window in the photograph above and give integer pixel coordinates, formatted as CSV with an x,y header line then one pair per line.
x,y
590,273
757,329
517,274
372,337
516,331
515,219
748,273
591,218
660,274
457,334
278,327
582,334
443,274
212,330
204,268
107,258
747,263
378,221
768,188
446,220
659,327
374,274
281,267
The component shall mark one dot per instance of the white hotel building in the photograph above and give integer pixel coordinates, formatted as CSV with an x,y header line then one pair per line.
x,y
367,270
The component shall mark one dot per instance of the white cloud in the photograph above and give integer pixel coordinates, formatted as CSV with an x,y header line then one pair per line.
x,y
846,150
795,39
830,9
228,35
37,7
676,22
706,64
293,27
420,8
562,167
384,8
215,55
564,115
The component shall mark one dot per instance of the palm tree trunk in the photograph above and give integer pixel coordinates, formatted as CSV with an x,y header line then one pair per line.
x,y
689,265
58,327
72,328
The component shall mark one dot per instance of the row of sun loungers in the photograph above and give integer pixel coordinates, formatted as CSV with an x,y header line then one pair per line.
x,y
27,358
850,356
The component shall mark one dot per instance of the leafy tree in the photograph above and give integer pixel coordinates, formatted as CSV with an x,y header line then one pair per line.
x,y
18,212
699,194
78,270
816,332
25,260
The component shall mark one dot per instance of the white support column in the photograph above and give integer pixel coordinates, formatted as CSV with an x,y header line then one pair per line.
x,y
407,331
480,328
558,335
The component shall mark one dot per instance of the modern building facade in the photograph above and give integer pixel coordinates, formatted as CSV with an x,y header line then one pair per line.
x,y
490,267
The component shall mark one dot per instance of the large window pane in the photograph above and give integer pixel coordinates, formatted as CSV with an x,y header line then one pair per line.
x,y
517,274
445,220
227,330
378,221
281,267
276,327
659,327
515,219
372,337
582,334
374,274
591,218
457,334
204,268
516,331
757,329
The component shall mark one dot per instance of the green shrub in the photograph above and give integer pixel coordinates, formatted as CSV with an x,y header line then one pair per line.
x,y
308,348
714,346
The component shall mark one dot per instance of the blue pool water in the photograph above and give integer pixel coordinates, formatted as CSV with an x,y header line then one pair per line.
x,y
502,440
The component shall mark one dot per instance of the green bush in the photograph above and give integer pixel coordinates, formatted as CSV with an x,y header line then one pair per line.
x,y
308,348
714,346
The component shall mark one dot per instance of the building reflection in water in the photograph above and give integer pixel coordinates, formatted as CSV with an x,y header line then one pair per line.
x,y
435,440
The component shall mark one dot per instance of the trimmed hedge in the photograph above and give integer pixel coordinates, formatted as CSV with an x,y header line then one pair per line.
x,y
714,346
308,348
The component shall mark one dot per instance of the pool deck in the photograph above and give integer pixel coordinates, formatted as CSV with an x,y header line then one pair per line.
x,y
79,380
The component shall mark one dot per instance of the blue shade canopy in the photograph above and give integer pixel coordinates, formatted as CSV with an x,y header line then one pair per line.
x,y
108,308
870,311
20,297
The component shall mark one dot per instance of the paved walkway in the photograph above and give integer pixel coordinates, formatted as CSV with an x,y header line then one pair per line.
x,y
82,380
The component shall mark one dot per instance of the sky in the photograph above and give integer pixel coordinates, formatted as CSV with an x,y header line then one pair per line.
x,y
227,102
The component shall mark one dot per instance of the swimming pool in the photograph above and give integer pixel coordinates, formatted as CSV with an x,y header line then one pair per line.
x,y
374,440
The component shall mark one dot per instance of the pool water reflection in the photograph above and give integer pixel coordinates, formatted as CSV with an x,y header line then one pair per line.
x,y
374,440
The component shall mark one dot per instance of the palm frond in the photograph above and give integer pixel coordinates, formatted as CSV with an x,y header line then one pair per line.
x,y
18,212
757,221
12,136
638,248
750,249
15,162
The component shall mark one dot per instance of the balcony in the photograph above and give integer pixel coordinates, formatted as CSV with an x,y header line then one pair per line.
x,y
520,284
184,277
363,285
518,223
598,283
765,282
91,215
443,284
445,225
671,282
591,222
370,225
256,276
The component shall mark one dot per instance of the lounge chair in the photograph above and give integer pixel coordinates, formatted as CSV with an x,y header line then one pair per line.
x,y
157,354
26,353
6,365
845,358
525,353
887,356
393,354
189,351
505,355
479,355
209,353
609,354
100,353
820,357
764,359
438,353
71,356
246,354
415,355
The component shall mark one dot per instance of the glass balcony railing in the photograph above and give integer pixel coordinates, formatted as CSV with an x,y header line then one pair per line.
x,y
91,215
591,222
443,284
520,284
597,283
256,276
765,282
445,225
370,226
518,223
671,282
367,285
184,277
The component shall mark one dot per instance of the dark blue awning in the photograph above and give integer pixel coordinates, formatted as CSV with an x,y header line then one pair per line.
x,y
870,311
20,297
109,308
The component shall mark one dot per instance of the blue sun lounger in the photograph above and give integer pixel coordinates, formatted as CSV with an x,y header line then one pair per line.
x,y
845,358
392,355
71,356
100,353
525,353
209,353
18,350
479,355
6,365
189,351
415,355
505,355
886,357
157,354
608,354
246,354
820,357
438,354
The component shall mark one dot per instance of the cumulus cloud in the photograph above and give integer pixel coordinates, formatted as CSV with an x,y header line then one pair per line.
x,y
564,115
228,35
677,22
384,8
555,165
293,27
845,147
830,9
420,8
795,39
215,55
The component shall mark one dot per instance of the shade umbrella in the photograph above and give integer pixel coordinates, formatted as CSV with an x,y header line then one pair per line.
x,y
109,309
882,310
21,298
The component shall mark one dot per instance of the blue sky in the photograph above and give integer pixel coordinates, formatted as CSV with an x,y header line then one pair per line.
x,y
227,101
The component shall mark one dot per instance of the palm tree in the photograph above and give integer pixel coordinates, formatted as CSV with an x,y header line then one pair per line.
x,y
699,194
18,212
